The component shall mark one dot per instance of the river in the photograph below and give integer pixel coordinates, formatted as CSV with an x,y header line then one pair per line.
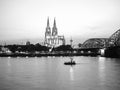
x,y
50,73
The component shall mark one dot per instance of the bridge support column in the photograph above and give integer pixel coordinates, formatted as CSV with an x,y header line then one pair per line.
x,y
102,52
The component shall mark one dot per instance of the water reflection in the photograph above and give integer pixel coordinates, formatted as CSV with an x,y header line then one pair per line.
x,y
102,70
50,73
71,73
8,62
9,65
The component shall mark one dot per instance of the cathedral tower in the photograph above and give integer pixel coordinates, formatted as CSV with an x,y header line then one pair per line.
x,y
54,29
48,34
52,39
48,30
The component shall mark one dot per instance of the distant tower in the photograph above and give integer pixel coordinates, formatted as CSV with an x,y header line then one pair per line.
x,y
28,43
48,34
48,30
54,29
71,41
54,33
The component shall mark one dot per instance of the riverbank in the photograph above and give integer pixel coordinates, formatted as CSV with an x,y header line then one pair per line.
x,y
45,54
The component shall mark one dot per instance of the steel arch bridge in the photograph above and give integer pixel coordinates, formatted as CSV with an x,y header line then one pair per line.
x,y
95,43
113,40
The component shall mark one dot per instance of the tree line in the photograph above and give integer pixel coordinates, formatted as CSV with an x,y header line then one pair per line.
x,y
37,47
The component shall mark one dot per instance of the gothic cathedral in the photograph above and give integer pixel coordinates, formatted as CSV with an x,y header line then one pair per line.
x,y
52,39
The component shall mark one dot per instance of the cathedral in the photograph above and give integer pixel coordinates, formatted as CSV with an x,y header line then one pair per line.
x,y
52,39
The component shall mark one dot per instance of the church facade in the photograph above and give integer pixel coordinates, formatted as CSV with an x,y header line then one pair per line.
x,y
52,39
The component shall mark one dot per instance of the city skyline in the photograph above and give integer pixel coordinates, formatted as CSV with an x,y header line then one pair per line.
x,y
79,19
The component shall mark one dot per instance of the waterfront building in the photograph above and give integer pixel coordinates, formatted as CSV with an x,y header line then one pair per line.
x,y
28,43
52,39
5,50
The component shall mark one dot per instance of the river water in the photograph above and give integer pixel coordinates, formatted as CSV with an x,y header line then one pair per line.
x,y
50,73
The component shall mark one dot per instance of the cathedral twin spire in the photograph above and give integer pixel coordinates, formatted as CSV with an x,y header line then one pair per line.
x,y
54,29
52,38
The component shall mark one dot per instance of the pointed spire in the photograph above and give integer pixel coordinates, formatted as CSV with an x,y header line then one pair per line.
x,y
48,30
54,29
54,23
48,22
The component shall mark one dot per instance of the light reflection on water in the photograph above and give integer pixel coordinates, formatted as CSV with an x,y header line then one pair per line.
x,y
102,70
50,73
8,63
71,73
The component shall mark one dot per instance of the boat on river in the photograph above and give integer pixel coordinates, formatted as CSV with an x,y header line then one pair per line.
x,y
70,62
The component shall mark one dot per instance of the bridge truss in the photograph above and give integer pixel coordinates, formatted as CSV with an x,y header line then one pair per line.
x,y
113,40
95,43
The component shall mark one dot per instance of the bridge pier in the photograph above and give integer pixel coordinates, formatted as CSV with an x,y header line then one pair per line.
x,y
102,52
113,52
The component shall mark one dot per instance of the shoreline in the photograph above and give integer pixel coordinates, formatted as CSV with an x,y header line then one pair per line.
x,y
46,54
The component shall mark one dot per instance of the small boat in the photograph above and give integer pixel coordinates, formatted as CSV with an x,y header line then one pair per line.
x,y
70,62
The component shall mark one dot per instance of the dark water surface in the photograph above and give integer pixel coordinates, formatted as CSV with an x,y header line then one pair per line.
x,y
50,73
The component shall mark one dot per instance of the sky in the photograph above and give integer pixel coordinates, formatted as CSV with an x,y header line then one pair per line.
x,y
79,19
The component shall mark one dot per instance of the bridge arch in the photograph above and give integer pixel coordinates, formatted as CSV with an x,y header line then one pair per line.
x,y
114,39
95,43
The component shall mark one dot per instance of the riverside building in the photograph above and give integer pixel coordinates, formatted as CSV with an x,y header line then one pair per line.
x,y
52,39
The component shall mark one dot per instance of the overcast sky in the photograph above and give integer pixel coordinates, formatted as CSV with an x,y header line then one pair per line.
x,y
81,19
